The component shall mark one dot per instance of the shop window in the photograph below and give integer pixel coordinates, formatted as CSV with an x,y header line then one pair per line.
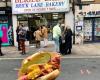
x,y
3,19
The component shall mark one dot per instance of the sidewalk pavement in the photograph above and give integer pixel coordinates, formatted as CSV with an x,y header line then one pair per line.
x,y
92,49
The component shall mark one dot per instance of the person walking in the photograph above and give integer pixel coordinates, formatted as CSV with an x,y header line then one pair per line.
x,y
1,54
45,35
37,34
1,34
57,35
22,38
17,32
68,41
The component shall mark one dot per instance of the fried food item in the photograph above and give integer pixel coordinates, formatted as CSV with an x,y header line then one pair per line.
x,y
37,58
40,66
50,76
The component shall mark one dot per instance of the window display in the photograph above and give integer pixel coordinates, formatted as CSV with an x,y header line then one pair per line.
x,y
87,30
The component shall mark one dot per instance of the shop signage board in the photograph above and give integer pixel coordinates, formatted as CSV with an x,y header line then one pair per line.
x,y
87,0
39,6
92,10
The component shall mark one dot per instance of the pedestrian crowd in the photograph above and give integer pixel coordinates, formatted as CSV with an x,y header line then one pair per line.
x,y
40,33
62,36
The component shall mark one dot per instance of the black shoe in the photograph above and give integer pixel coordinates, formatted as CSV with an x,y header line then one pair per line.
x,y
19,49
69,52
63,54
23,53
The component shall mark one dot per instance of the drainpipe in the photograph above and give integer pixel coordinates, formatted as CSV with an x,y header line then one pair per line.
x,y
73,9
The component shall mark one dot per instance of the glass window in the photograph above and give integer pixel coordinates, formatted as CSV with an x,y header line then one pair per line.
x,y
97,29
87,30
3,19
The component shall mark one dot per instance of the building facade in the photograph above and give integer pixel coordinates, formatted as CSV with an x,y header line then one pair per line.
x,y
87,20
10,20
40,13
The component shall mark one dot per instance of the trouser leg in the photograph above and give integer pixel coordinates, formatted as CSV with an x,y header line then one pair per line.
x,y
45,42
19,48
22,46
1,54
69,51
56,44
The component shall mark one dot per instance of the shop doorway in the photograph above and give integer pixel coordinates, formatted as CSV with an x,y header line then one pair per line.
x,y
32,23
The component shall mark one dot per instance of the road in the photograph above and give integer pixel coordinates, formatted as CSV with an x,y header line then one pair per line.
x,y
9,69
80,69
71,69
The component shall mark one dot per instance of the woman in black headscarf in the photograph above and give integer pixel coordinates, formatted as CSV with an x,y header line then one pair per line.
x,y
68,41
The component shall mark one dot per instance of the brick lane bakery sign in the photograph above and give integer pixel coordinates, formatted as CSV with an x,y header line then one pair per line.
x,y
39,6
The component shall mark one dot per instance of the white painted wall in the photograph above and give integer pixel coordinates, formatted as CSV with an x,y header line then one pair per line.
x,y
14,19
69,20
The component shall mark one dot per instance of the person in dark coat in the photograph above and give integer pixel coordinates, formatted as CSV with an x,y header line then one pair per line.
x,y
17,32
22,38
1,54
68,41
1,35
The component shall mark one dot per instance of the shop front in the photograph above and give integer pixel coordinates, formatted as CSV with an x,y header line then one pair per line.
x,y
37,13
90,22
32,21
